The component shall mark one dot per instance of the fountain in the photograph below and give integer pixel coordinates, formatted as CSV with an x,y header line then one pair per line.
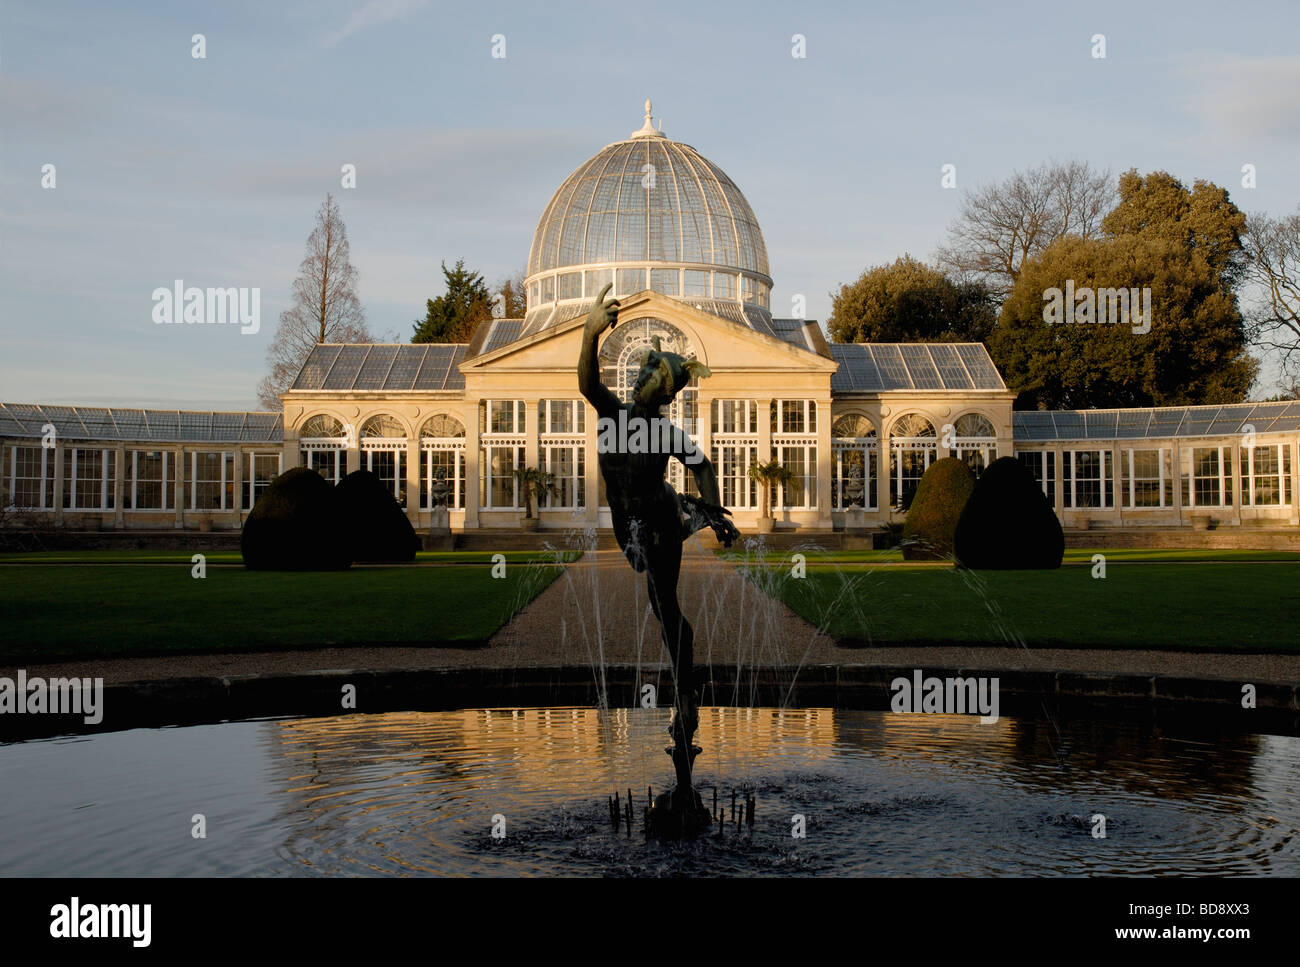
x,y
650,523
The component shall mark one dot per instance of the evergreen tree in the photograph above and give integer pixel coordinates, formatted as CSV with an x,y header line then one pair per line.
x,y
909,301
453,316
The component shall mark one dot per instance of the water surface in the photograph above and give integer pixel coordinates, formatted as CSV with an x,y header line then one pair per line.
x,y
881,794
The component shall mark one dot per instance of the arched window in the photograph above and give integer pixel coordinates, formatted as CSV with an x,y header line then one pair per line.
x,y
912,446
322,446
853,426
383,427
912,426
621,358
975,441
442,462
855,462
440,426
974,425
321,426
383,453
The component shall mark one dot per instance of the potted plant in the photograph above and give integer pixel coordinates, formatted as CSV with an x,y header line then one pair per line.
x,y
765,475
533,483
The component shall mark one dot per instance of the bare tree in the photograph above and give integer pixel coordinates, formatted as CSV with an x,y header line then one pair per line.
x,y
1273,251
325,308
1001,225
509,299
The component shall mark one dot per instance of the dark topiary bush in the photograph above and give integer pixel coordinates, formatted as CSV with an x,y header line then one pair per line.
x,y
295,526
376,529
1008,523
932,518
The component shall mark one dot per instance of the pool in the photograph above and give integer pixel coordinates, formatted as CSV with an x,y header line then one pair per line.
x,y
875,793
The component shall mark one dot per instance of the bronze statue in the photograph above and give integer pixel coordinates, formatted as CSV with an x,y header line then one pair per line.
x,y
651,521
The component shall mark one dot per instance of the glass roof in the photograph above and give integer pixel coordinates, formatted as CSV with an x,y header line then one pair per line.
x,y
1156,422
878,367
383,367
139,426
648,199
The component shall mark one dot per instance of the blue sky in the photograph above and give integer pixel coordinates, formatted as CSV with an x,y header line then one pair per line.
x,y
211,170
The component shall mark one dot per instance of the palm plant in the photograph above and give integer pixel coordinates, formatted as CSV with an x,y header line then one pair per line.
x,y
766,475
534,483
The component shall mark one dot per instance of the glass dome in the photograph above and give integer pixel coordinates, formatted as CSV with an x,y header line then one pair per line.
x,y
648,213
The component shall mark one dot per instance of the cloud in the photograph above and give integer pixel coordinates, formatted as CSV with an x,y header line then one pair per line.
x,y
372,13
1247,97
453,173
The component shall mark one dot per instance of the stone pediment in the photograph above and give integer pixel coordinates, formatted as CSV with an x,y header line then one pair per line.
x,y
720,343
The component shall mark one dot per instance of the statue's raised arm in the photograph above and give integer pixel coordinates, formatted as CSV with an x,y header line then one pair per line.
x,y
602,316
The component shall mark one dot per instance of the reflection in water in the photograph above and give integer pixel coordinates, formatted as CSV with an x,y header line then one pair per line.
x,y
415,793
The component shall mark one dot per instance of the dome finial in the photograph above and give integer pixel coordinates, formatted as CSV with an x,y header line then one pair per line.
x,y
648,128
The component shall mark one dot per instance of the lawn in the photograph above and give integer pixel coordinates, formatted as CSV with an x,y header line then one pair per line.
x,y
111,609
1073,556
1228,605
132,556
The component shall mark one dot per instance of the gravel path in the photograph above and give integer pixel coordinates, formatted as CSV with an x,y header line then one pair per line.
x,y
598,611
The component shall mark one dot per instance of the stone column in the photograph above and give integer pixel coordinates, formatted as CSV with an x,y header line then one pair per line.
x,y
241,472
1295,481
532,445
1117,474
57,496
473,482
413,507
1058,497
1177,470
180,499
119,487
824,462
1240,480
289,456
704,424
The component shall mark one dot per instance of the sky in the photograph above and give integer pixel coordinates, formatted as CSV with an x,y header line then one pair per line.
x,y
210,170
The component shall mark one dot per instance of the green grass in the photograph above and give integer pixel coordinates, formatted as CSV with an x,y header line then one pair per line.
x,y
132,556
1215,607
74,611
1072,556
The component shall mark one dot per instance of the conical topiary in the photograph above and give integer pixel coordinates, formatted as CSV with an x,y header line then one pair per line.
x,y
376,529
1008,523
295,526
932,518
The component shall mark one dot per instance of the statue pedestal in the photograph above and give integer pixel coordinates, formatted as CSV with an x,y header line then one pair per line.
x,y
439,536
680,814
855,521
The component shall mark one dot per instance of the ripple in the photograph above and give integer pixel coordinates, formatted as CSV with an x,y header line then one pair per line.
x,y
415,794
